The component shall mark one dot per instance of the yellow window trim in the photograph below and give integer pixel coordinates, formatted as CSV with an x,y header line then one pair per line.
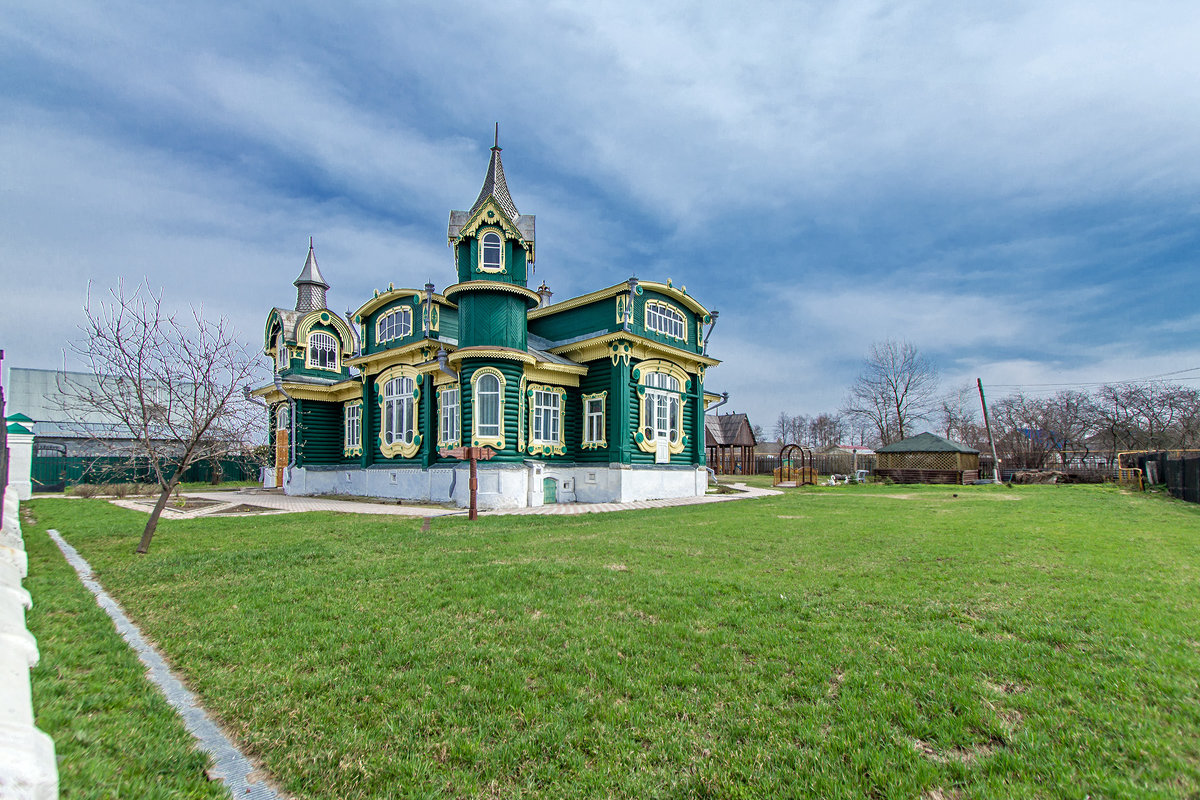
x,y
358,449
486,441
603,442
642,371
660,304
559,446
402,449
442,441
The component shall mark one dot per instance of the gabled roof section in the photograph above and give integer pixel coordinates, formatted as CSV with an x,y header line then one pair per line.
x,y
926,443
728,429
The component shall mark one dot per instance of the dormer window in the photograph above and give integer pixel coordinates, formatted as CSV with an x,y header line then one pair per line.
x,y
491,253
322,351
395,324
665,319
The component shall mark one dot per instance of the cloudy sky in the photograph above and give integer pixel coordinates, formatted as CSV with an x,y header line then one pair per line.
x,y
1012,187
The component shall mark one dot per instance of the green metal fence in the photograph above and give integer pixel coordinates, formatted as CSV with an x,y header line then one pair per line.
x,y
55,473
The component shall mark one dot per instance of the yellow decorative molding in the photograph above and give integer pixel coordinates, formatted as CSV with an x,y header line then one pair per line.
x,y
544,375
399,448
498,219
603,441
409,354
333,393
324,316
640,348
603,294
486,441
493,286
642,370
504,353
379,301
710,398
521,414
620,351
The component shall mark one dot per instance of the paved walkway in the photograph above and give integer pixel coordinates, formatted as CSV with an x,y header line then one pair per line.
x,y
279,503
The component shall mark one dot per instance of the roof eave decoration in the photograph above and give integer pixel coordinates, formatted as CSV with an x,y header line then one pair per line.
x,y
324,316
391,295
603,294
287,318
519,229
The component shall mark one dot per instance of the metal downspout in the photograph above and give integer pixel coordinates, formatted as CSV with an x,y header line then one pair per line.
x,y
633,284
291,425
724,399
713,314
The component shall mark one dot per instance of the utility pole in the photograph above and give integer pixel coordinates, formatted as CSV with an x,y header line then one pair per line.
x,y
988,425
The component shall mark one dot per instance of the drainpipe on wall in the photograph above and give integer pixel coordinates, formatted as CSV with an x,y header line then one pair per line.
x,y
427,315
291,425
442,365
713,314
633,285
724,399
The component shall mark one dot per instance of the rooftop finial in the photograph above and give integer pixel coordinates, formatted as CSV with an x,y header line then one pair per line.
x,y
496,145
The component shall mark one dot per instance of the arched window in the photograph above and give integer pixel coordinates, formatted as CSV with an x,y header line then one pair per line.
x,y
487,406
395,324
322,350
491,253
665,319
281,417
399,417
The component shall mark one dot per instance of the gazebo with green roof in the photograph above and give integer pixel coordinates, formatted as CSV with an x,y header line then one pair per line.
x,y
927,458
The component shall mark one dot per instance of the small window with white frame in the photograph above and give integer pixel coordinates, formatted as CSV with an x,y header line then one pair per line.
x,y
491,252
665,319
322,351
353,427
395,324
594,421
547,417
449,430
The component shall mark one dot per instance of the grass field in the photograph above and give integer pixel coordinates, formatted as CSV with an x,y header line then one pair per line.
x,y
848,642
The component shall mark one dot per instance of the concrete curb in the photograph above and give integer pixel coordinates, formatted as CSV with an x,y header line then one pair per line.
x,y
231,766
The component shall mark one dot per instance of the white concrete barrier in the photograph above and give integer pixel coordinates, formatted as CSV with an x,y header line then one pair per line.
x,y
28,770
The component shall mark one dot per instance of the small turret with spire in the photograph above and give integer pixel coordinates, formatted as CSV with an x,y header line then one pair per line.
x,y
310,286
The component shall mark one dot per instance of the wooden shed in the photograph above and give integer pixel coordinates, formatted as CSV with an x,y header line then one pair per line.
x,y
927,458
729,444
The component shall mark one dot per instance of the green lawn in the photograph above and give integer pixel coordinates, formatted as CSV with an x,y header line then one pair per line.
x,y
858,641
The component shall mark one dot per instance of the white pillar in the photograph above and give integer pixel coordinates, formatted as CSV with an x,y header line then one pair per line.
x,y
20,462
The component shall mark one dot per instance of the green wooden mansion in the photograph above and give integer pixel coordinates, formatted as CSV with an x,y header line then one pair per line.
x,y
599,398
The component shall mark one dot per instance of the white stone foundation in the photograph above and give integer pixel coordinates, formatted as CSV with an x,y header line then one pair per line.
x,y
502,485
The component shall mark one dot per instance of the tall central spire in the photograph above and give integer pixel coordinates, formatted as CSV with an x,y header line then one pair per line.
x,y
494,185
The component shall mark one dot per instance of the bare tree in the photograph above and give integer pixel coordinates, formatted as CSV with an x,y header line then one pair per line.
x,y
896,389
173,387
826,429
958,417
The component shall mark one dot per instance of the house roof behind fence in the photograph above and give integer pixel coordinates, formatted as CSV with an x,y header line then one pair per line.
x,y
728,429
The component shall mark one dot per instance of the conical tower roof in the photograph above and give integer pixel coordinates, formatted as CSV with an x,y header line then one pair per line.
x,y
310,286
495,186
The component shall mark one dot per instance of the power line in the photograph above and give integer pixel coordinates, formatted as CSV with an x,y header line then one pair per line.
x,y
1083,384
